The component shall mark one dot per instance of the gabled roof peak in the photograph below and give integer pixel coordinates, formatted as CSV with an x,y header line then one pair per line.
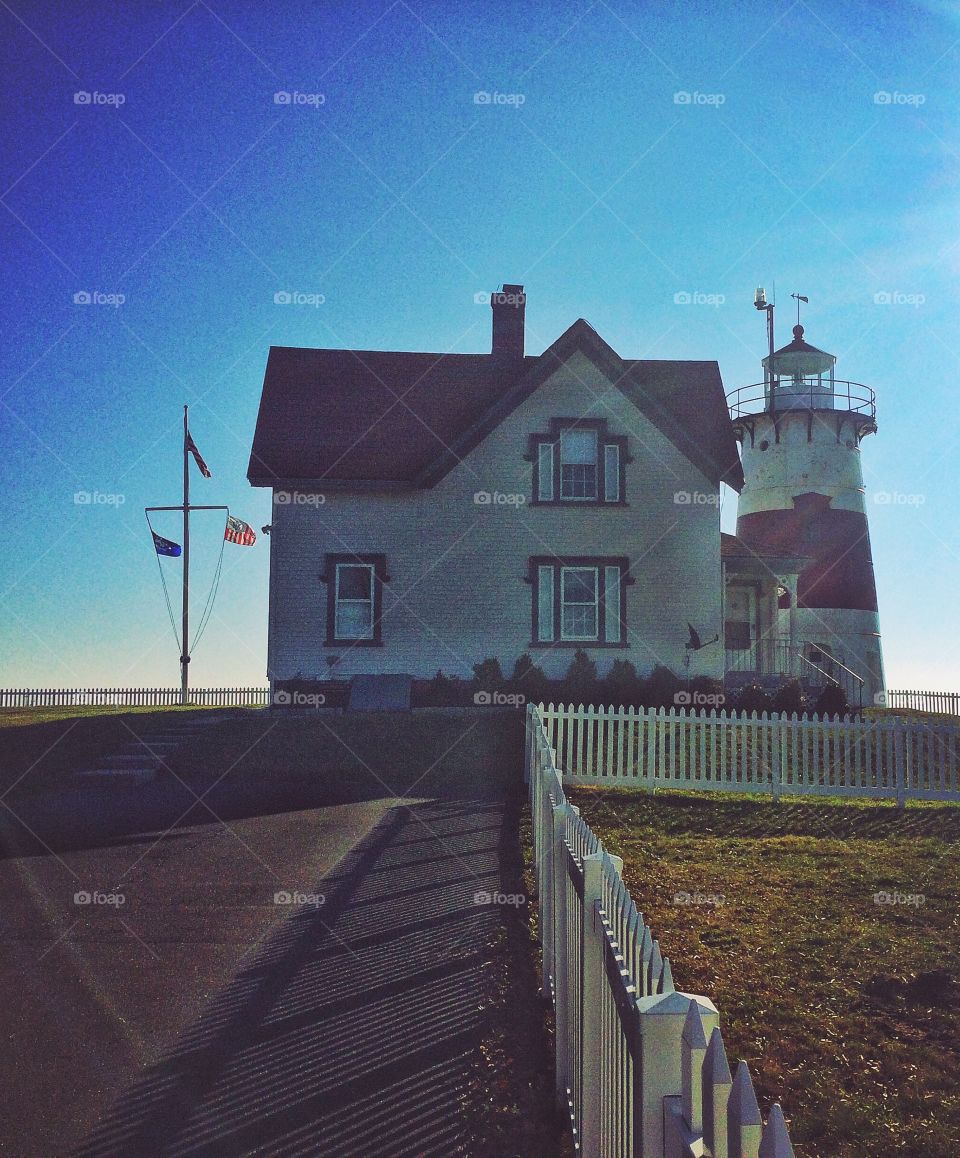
x,y
368,418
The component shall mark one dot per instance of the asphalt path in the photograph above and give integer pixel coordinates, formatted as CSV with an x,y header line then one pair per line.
x,y
122,914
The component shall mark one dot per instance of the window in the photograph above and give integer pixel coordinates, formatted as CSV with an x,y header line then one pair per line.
x,y
354,617
578,462
354,598
579,603
579,600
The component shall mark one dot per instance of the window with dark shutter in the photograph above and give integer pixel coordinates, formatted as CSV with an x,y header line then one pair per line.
x,y
579,601
578,462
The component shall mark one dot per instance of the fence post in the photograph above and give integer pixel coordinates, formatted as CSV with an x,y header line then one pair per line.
x,y
546,878
562,964
594,979
899,736
528,744
662,1017
775,769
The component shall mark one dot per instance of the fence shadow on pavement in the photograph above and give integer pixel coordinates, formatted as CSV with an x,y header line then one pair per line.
x,y
353,1029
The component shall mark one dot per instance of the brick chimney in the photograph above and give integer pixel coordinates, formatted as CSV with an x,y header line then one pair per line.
x,y
508,306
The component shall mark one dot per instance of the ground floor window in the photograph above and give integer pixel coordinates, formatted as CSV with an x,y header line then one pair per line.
x,y
354,598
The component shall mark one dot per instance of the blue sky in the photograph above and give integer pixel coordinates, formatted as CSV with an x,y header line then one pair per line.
x,y
627,154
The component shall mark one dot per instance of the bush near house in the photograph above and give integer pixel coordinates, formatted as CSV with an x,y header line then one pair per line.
x,y
788,699
303,691
832,701
620,687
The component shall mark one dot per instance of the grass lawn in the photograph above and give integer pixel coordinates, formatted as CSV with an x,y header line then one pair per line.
x,y
847,1010
18,717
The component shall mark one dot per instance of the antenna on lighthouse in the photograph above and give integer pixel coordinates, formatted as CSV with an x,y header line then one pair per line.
x,y
760,302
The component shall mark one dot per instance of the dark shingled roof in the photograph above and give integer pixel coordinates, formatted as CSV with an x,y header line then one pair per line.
x,y
733,548
384,418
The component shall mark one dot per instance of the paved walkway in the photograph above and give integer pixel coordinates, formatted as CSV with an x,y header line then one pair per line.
x,y
352,1030
97,991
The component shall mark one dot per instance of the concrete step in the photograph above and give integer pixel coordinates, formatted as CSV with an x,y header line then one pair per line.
x,y
142,759
131,775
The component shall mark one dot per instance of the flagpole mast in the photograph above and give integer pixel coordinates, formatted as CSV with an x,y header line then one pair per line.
x,y
185,624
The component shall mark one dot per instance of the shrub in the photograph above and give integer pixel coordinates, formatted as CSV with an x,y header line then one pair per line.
x,y
580,685
660,688
488,676
751,698
832,701
706,695
440,692
302,692
788,700
530,681
621,687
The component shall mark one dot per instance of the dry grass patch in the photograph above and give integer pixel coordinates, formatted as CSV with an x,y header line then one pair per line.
x,y
847,1010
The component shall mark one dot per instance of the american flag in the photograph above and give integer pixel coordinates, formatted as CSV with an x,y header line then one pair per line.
x,y
239,532
192,448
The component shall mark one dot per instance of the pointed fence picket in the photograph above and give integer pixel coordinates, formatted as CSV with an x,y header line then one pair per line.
x,y
132,697
641,1069
890,757
939,703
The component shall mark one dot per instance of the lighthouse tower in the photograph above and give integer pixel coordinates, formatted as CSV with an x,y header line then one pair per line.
x,y
800,432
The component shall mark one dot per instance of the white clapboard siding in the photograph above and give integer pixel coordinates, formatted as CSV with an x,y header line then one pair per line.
x,y
640,1067
891,757
132,697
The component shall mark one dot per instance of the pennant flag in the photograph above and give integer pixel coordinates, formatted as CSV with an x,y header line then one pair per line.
x,y
165,546
192,447
239,532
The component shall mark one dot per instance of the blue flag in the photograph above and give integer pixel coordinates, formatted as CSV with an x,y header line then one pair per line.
x,y
165,546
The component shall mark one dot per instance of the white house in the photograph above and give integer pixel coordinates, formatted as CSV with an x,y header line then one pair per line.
x,y
434,510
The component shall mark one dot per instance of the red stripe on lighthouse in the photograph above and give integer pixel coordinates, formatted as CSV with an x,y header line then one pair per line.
x,y
838,542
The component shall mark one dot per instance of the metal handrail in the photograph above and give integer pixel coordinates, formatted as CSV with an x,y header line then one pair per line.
x,y
770,652
812,393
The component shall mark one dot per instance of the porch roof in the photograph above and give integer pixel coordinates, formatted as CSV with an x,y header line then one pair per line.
x,y
738,556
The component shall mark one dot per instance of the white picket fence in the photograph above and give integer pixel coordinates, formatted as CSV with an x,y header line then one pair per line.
x,y
941,703
132,697
640,1068
890,757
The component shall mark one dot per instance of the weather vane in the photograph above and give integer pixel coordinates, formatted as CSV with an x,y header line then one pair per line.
x,y
799,298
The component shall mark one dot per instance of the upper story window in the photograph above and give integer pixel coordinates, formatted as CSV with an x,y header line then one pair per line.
x,y
354,598
578,462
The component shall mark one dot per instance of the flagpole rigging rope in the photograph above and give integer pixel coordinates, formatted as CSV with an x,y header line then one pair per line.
x,y
212,595
163,582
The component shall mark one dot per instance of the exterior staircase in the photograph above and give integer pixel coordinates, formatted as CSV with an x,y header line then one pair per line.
x,y
144,757
771,661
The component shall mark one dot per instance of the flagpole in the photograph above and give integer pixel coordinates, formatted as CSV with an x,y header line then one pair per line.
x,y
185,625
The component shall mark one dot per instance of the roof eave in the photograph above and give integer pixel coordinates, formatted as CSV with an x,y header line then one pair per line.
x,y
336,485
